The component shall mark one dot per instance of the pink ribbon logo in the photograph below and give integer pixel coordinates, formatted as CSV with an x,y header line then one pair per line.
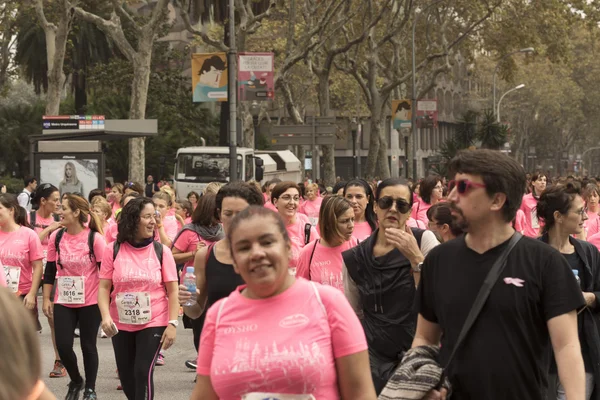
x,y
514,281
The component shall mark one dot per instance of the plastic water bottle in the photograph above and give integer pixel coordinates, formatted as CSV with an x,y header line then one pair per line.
x,y
576,273
189,281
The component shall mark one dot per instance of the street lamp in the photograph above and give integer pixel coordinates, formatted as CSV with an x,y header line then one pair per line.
x,y
414,93
521,86
525,50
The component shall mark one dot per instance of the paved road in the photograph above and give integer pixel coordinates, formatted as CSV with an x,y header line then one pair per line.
x,y
173,381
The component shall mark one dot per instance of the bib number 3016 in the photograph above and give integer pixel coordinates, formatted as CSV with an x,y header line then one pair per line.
x,y
71,290
134,308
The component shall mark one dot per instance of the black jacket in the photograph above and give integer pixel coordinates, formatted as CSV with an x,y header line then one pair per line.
x,y
590,278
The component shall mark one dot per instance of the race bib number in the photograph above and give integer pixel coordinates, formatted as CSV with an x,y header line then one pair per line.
x,y
71,290
277,396
134,308
535,223
13,275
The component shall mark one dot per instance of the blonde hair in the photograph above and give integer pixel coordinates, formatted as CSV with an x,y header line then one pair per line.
x,y
212,187
170,192
85,215
163,195
20,368
313,186
104,206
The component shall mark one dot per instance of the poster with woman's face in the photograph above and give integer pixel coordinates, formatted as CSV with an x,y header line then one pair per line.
x,y
70,175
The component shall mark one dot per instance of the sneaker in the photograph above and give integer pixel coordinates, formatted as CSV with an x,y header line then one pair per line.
x,y
160,360
191,364
89,394
59,370
74,390
76,332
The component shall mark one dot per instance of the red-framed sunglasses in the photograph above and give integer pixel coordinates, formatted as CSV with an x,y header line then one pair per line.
x,y
463,185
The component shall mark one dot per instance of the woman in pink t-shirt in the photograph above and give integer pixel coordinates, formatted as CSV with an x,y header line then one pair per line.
x,y
321,260
44,221
432,191
286,197
102,209
591,196
73,268
184,209
529,204
166,225
312,205
193,198
21,252
141,310
111,232
115,196
359,194
278,335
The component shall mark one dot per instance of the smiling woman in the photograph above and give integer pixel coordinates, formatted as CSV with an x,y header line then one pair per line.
x,y
275,311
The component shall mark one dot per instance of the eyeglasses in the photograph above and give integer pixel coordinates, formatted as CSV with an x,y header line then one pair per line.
x,y
439,187
464,185
386,202
582,212
287,198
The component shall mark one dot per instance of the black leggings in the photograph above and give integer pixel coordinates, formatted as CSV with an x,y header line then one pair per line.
x,y
65,321
136,353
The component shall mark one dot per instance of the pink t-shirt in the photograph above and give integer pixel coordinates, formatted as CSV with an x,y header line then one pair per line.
x,y
76,262
326,265
419,212
362,230
171,227
592,224
296,233
40,225
311,210
595,240
532,224
137,270
18,250
520,221
3,282
187,241
413,223
283,344
270,206
111,233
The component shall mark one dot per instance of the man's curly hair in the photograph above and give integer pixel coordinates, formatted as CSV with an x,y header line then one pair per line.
x,y
130,219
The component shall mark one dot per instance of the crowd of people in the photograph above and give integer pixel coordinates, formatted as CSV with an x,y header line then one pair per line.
x,y
312,292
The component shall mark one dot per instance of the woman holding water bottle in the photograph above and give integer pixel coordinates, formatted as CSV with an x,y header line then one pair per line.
x,y
562,210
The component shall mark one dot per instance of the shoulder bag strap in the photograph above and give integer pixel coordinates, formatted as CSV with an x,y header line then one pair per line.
x,y
312,253
484,292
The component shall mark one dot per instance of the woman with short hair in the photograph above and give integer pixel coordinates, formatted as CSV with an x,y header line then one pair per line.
x,y
298,339
193,198
312,203
441,222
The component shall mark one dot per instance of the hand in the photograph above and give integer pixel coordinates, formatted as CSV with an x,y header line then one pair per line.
x,y
108,327
29,301
590,299
48,308
168,337
184,295
200,245
436,395
55,225
405,241
158,218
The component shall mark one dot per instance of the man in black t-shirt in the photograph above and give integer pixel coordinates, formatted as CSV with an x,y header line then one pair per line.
x,y
151,187
531,307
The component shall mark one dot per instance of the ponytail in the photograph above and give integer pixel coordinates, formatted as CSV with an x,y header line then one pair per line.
x,y
21,216
95,224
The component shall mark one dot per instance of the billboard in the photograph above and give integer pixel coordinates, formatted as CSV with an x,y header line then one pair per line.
x,y
402,113
427,114
209,77
255,77
77,173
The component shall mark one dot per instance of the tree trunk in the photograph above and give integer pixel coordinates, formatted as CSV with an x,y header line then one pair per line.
x,y
373,149
383,165
56,47
139,98
329,150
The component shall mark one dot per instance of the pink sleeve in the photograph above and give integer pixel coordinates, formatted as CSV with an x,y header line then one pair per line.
x,y
107,266
99,246
169,270
171,228
347,335
593,227
207,340
51,247
595,240
184,240
302,267
36,250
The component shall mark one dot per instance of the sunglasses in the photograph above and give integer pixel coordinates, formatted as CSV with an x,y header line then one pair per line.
x,y
401,205
464,185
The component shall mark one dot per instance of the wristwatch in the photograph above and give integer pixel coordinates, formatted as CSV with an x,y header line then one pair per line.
x,y
417,268
174,322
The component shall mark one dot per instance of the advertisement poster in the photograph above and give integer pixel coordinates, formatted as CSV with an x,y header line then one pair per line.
x,y
401,113
427,114
70,175
255,77
209,77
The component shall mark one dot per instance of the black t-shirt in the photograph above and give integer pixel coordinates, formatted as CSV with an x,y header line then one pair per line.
x,y
151,187
506,353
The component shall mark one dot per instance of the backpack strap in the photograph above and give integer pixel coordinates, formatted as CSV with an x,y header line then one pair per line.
x,y
91,237
307,228
32,218
210,248
158,249
116,248
312,253
57,240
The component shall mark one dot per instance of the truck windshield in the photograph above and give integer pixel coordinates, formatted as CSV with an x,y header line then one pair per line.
x,y
204,167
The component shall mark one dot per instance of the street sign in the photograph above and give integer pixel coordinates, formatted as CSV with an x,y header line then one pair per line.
x,y
81,122
301,135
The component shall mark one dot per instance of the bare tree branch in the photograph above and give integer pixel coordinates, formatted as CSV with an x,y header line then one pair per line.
x,y
125,14
158,14
185,16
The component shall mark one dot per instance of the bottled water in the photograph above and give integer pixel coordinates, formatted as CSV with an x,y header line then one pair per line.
x,y
576,273
189,281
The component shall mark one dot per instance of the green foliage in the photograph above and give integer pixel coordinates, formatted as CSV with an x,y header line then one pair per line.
x,y
491,134
13,185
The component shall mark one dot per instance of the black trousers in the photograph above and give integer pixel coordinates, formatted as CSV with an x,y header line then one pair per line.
x,y
65,321
136,353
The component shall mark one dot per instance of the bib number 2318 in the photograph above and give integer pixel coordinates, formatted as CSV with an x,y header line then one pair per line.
x,y
134,308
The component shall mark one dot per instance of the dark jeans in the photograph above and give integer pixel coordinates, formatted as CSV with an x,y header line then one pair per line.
x,y
136,353
65,321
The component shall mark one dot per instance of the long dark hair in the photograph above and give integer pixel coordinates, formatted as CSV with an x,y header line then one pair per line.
x,y
370,216
130,219
9,200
